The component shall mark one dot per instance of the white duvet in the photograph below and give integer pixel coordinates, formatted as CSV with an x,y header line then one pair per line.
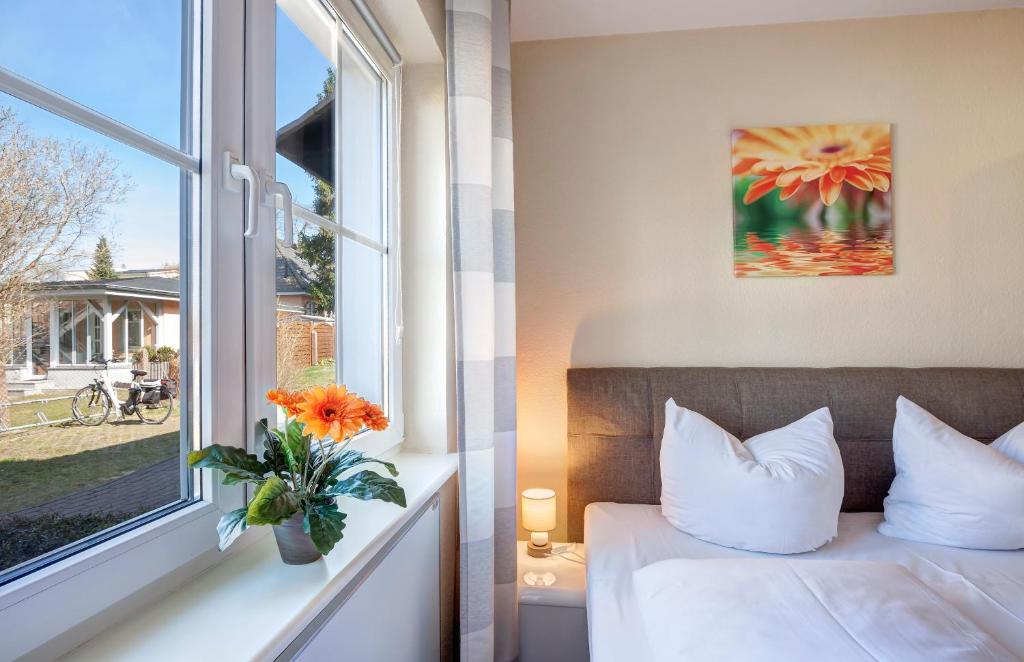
x,y
985,587
780,610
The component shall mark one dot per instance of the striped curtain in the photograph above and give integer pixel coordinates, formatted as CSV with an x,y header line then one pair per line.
x,y
480,147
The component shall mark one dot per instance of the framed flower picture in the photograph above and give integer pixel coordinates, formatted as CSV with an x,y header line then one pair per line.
x,y
812,200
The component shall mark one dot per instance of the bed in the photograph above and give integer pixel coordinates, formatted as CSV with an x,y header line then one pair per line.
x,y
615,420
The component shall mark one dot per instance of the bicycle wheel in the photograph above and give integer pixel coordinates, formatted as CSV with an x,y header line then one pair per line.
x,y
154,413
91,406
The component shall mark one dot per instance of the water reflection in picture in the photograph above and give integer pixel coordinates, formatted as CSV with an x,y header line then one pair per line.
x,y
813,200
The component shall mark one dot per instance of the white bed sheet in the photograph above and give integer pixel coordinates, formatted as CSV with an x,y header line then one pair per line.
x,y
986,586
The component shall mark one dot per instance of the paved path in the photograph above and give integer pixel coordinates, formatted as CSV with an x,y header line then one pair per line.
x,y
139,491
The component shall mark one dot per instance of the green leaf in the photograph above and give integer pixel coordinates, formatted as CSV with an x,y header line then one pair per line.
x,y
295,446
367,485
273,455
324,523
236,477
273,503
230,527
236,464
345,460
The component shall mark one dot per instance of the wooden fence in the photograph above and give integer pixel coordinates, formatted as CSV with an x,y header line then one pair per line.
x,y
154,369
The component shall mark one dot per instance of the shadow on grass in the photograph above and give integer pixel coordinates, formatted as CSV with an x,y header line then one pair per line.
x,y
32,482
24,538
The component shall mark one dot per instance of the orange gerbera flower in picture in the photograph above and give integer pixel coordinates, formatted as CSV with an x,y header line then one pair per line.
x,y
286,399
812,200
827,157
332,412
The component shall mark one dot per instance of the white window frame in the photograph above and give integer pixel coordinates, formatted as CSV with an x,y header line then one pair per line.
x,y
43,612
263,309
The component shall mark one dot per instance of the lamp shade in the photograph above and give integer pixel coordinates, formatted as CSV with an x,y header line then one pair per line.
x,y
538,509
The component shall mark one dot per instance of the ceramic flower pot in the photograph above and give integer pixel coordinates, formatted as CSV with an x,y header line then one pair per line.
x,y
294,544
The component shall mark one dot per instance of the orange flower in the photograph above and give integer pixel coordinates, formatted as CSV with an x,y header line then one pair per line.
x,y
829,156
331,412
282,398
375,418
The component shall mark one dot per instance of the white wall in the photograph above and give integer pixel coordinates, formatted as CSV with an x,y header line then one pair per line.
x,y
624,219
416,27
75,377
426,283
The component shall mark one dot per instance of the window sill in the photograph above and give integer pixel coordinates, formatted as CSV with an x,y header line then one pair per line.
x,y
251,606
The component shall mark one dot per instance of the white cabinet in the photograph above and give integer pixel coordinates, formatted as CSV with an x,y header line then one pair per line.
x,y
392,612
553,618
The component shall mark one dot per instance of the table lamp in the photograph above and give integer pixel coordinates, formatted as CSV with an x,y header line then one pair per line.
x,y
538,517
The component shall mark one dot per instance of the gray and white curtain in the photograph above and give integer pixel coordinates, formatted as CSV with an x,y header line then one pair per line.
x,y
480,135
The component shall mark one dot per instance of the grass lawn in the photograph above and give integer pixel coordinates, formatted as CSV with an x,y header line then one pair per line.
x,y
23,539
46,463
23,414
54,411
317,375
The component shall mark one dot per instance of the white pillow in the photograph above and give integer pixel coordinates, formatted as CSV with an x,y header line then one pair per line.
x,y
779,492
952,490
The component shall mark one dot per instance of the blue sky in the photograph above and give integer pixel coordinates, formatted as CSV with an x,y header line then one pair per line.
x,y
123,58
301,70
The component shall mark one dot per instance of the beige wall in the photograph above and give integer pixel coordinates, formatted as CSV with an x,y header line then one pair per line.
x,y
623,207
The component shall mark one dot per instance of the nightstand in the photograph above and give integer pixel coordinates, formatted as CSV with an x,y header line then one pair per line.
x,y
553,619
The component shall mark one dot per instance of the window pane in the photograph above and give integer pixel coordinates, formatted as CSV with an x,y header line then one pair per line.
x,y
305,105
40,338
13,348
148,329
81,332
134,321
119,57
95,330
307,79
96,350
118,333
363,320
361,139
64,481
305,310
66,333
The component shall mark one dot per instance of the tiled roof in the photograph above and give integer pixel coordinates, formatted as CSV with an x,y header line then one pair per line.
x,y
149,285
293,274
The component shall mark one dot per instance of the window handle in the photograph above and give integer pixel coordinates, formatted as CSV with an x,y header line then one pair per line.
x,y
234,174
276,188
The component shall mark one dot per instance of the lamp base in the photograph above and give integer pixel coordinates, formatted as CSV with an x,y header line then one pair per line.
x,y
539,551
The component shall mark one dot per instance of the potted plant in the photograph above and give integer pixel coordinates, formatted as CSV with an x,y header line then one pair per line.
x,y
305,468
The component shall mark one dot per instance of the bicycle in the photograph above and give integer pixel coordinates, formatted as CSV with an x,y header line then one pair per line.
x,y
152,402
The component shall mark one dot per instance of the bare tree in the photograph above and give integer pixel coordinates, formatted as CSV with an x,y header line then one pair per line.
x,y
52,195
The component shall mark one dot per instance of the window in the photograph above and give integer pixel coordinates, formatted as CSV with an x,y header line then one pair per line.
x,y
111,140
81,335
133,322
65,315
162,262
334,294
95,332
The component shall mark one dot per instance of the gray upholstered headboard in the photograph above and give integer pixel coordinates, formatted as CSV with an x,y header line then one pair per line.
x,y
616,416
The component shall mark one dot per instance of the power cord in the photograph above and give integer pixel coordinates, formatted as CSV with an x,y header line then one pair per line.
x,y
567,552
